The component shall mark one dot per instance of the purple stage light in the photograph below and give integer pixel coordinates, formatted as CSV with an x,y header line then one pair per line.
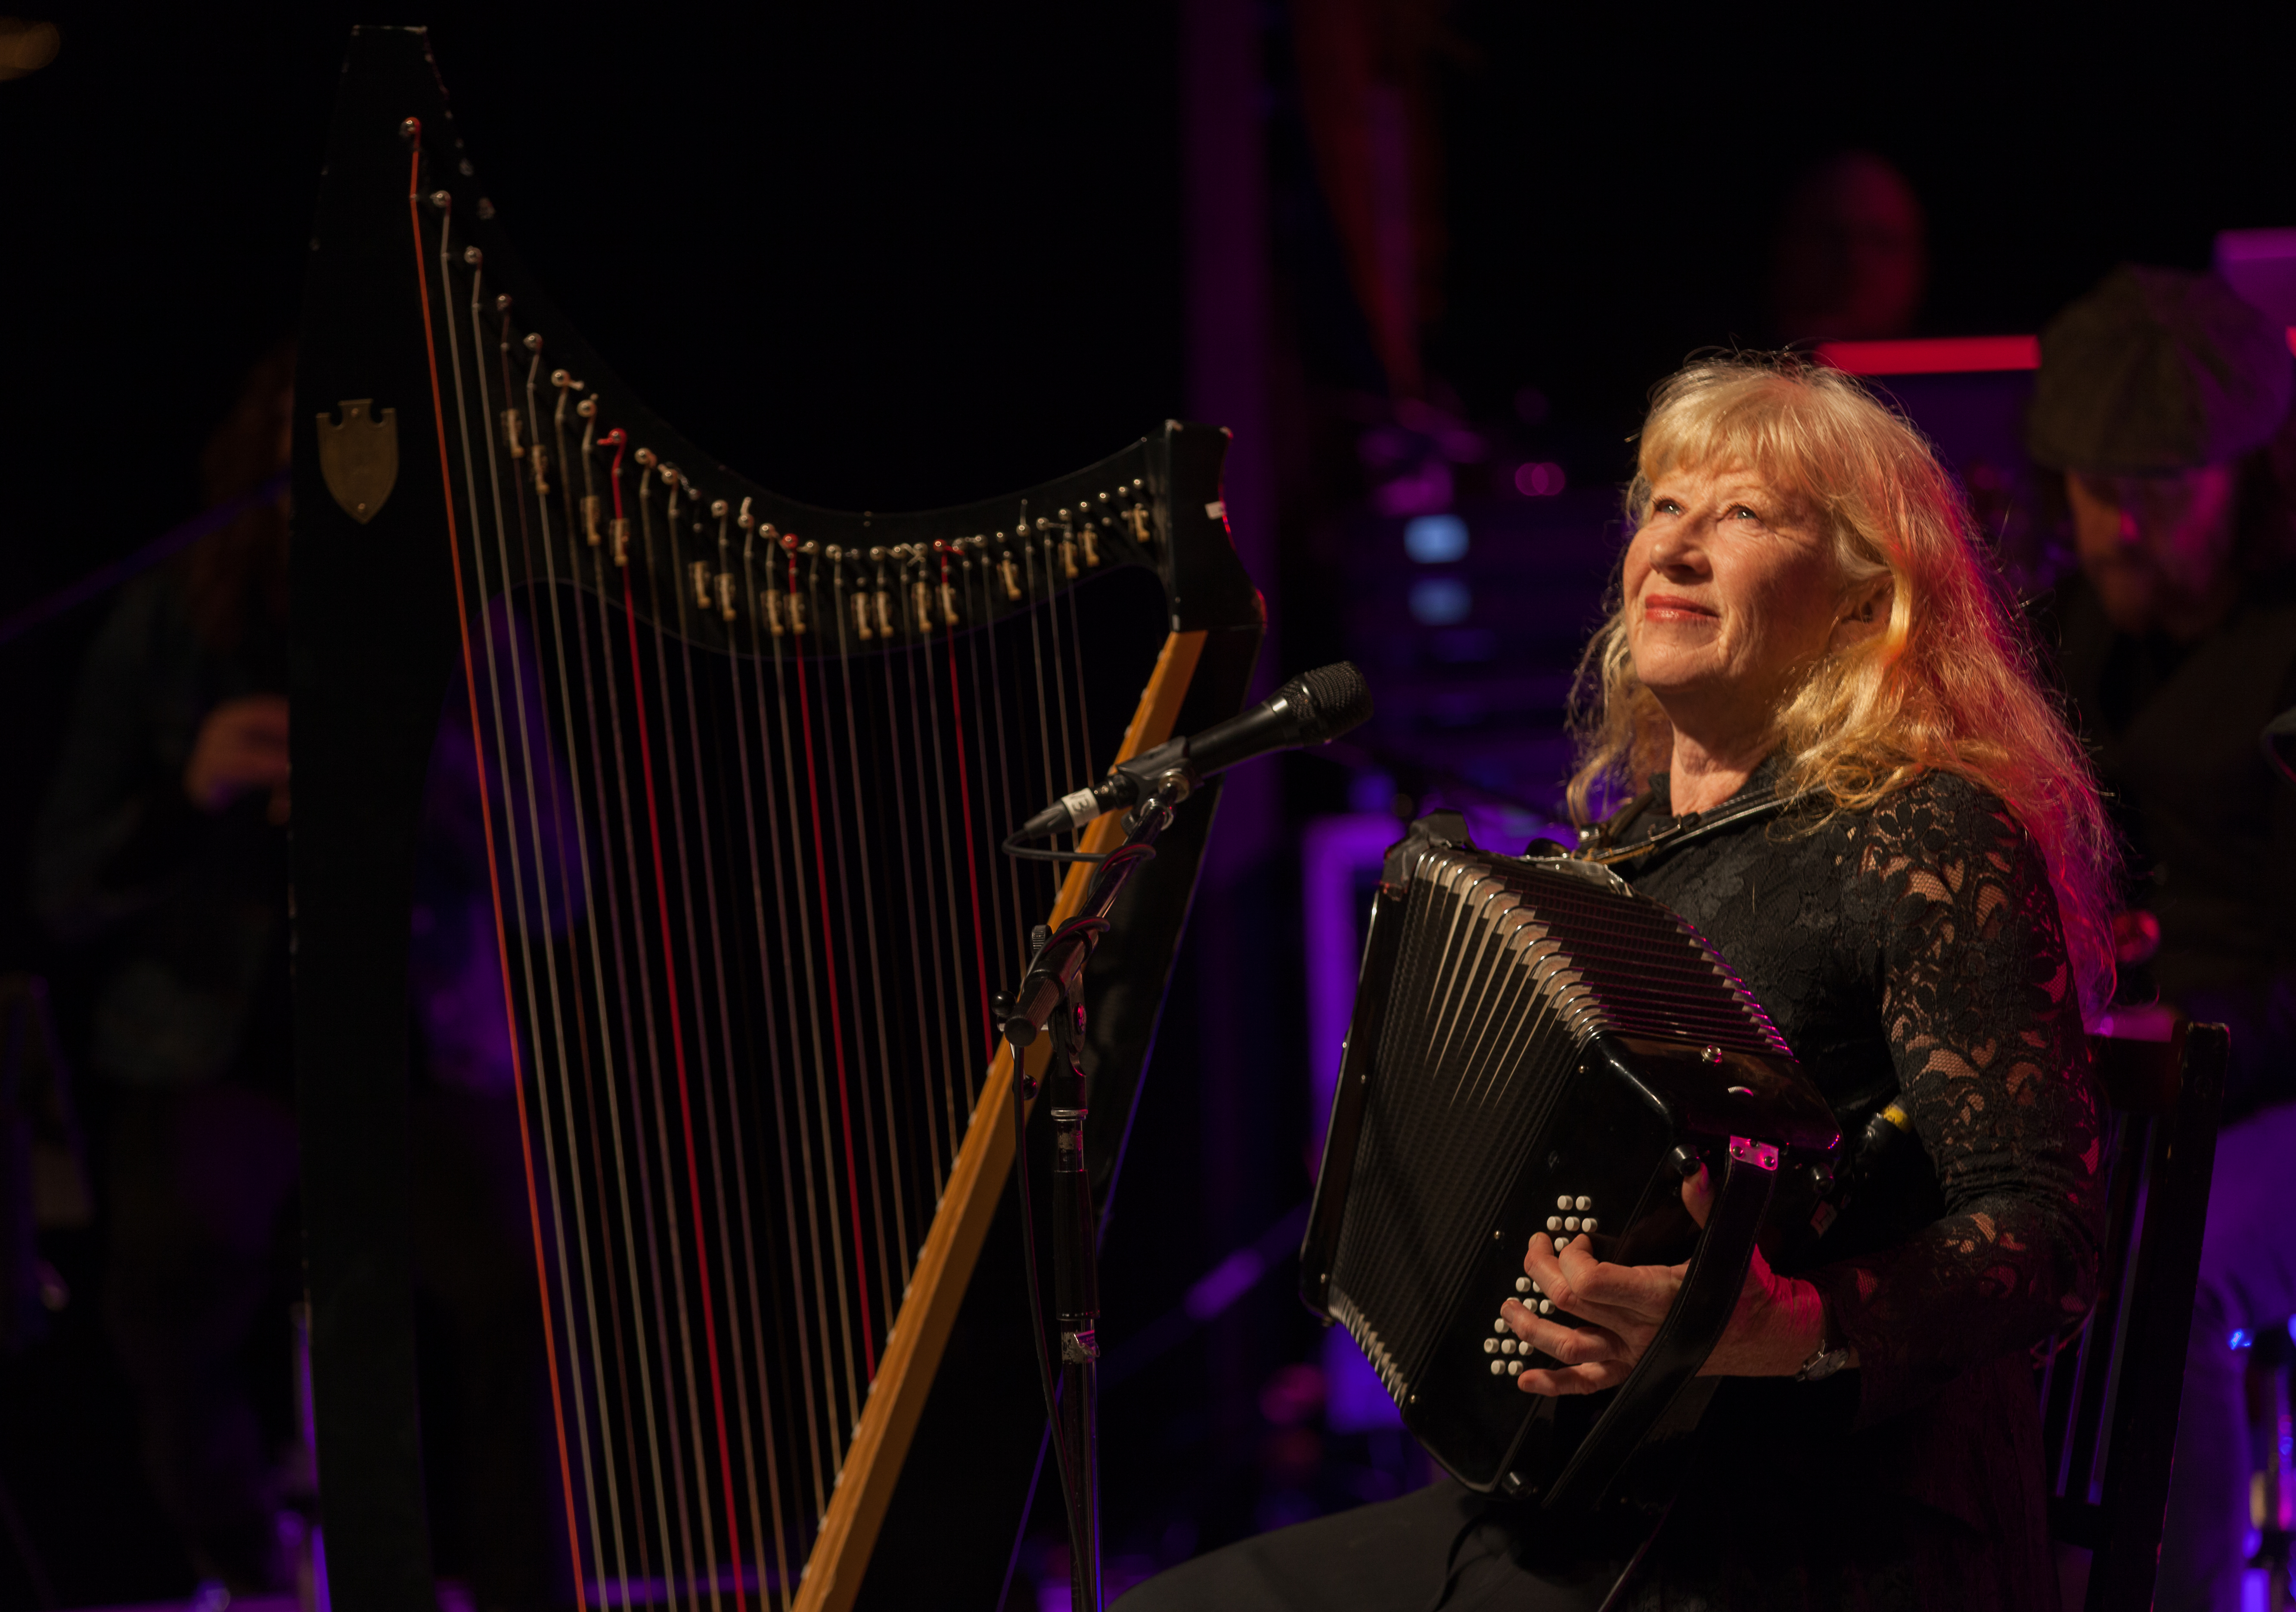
x,y
1542,479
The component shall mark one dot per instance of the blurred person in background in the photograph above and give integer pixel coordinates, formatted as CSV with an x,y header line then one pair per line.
x,y
2164,400
162,851
1852,261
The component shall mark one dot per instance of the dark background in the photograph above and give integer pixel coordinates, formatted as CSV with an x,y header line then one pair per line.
x,y
894,256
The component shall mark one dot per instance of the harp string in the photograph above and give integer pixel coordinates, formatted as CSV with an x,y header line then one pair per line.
x,y
651,793
957,1059
860,1291
518,915
573,880
971,844
792,902
541,914
637,1416
906,836
787,1089
630,954
711,928
845,815
437,412
739,724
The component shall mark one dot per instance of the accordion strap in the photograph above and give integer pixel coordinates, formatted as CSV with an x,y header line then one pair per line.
x,y
1701,1311
1603,850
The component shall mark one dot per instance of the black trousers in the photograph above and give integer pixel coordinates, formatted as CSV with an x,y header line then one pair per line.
x,y
1443,1547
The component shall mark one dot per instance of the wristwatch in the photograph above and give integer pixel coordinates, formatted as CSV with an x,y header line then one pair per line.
x,y
1834,1352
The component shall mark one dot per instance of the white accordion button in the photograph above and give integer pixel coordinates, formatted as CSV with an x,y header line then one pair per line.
x,y
1569,1223
1490,1346
1555,1222
1498,1367
1584,1203
1563,1202
1546,1306
1499,1325
1562,1243
1515,1367
1537,1288
1522,1284
1586,1224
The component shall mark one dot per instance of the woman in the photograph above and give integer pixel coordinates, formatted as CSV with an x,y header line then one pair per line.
x,y
1804,617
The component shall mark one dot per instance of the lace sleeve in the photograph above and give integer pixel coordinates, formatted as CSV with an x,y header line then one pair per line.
x,y
1984,1028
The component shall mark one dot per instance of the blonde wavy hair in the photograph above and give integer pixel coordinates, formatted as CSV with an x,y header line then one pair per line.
x,y
1949,685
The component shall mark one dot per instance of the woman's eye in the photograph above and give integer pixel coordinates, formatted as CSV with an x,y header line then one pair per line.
x,y
1743,513
1665,506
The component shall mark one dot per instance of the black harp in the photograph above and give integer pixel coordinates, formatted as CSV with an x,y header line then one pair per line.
x,y
662,696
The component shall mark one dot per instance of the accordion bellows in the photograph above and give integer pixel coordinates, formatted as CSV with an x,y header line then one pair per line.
x,y
1536,1050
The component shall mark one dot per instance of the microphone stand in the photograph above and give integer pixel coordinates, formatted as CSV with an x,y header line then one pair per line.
x,y
1052,997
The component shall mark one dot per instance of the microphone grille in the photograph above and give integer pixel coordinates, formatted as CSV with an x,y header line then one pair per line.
x,y
1337,699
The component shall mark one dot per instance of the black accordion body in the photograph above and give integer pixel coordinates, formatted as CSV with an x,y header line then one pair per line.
x,y
1537,1050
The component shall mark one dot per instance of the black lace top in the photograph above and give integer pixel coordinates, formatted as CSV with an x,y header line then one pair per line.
x,y
1909,953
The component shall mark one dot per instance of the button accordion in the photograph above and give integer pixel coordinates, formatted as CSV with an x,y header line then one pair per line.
x,y
1537,1050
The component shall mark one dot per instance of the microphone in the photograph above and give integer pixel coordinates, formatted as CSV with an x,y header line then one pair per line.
x,y
1312,708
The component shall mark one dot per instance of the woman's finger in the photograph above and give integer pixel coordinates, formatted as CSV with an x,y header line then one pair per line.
x,y
1578,1282
1698,1196
1572,1379
1576,1346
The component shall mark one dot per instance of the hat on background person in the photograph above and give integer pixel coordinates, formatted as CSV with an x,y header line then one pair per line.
x,y
2155,371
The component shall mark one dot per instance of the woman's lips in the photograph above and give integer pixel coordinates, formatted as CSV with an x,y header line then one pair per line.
x,y
1666,607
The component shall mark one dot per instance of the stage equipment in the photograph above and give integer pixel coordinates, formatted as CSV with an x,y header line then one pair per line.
x,y
1313,708
1539,1051
741,767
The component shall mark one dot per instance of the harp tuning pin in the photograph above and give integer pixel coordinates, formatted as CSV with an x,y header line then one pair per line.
x,y
410,128
502,302
789,540
745,519
587,408
877,554
533,339
441,200
472,257
644,456
717,508
809,547
561,379
486,208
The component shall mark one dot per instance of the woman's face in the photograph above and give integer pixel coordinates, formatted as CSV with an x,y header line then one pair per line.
x,y
1731,587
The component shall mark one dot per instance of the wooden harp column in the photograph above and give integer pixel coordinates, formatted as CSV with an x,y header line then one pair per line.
x,y
455,549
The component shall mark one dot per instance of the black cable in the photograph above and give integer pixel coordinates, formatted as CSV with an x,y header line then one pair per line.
x,y
1060,1460
1029,853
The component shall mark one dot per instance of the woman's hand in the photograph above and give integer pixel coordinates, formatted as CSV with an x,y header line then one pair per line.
x,y
1779,1324
242,748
